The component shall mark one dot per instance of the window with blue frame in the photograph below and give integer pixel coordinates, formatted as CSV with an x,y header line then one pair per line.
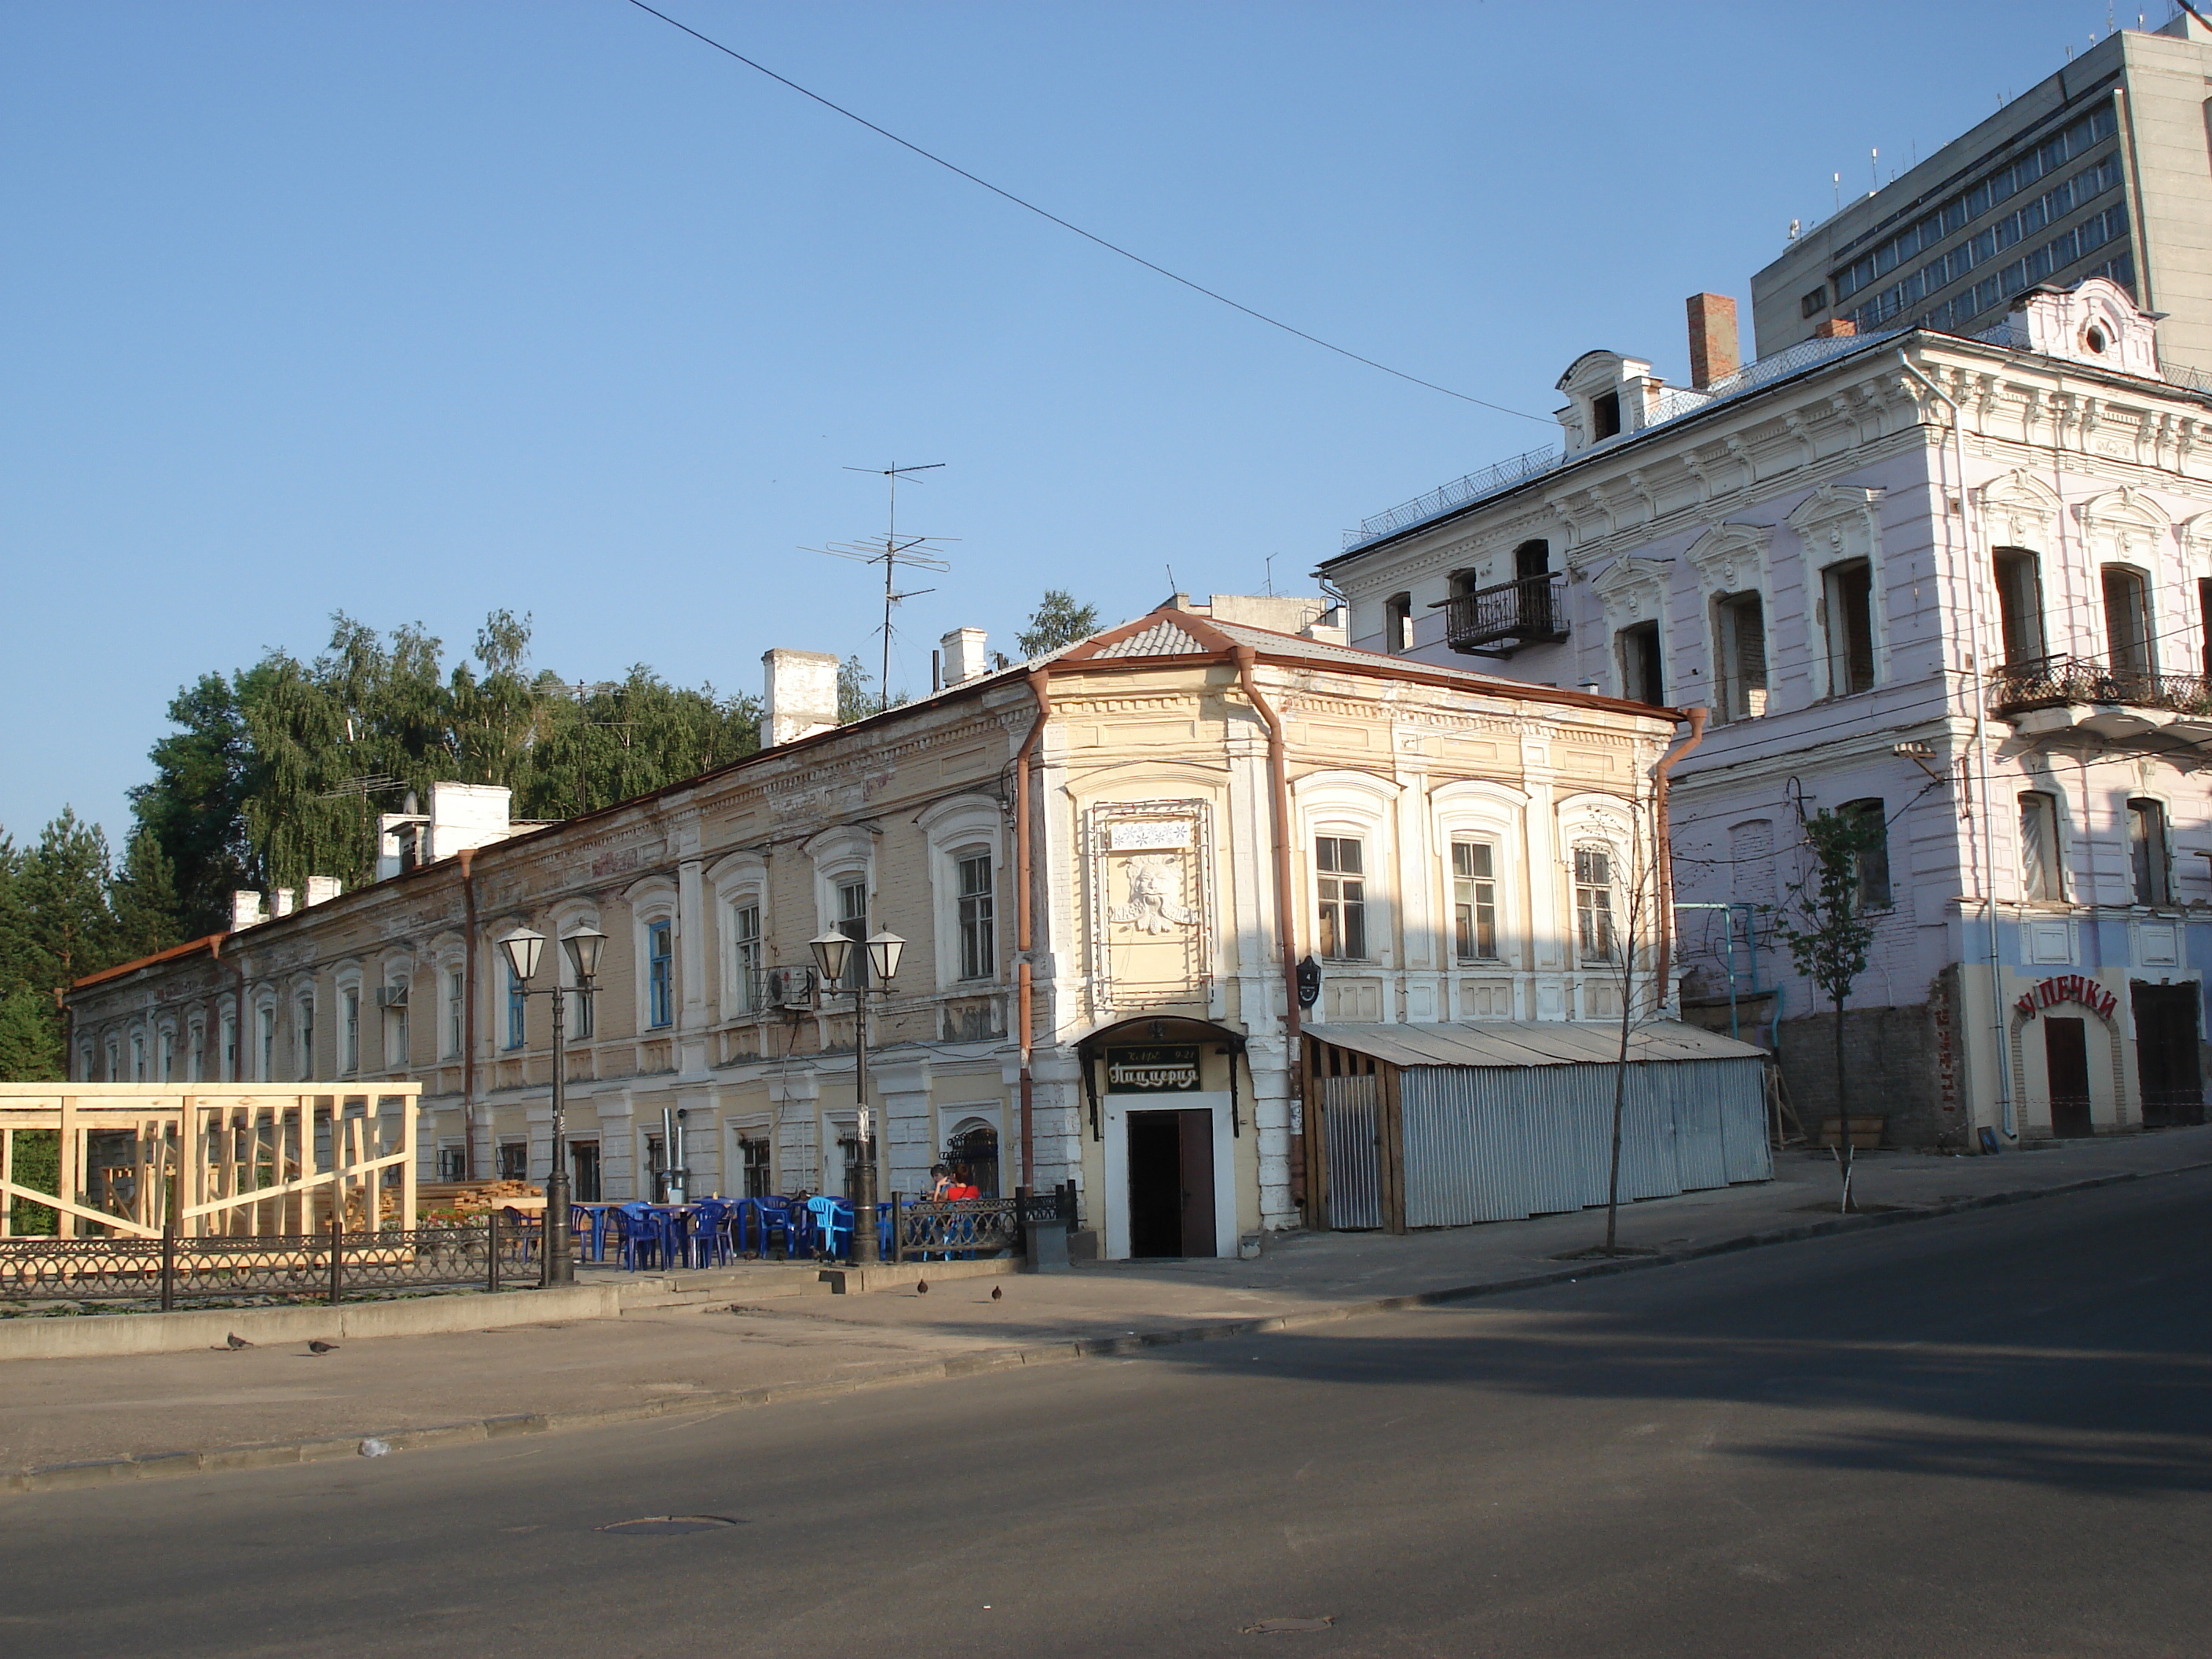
x,y
660,974
518,1004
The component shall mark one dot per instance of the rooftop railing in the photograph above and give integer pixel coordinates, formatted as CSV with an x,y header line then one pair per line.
x,y
1458,493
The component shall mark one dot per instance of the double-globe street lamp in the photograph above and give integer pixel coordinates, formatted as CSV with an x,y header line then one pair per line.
x,y
524,950
833,955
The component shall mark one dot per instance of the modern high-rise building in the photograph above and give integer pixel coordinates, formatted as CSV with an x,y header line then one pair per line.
x,y
2103,170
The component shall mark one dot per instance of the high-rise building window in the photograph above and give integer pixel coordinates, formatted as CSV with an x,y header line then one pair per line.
x,y
2148,862
518,1007
660,974
1873,859
1594,926
1339,862
978,940
1847,591
1475,901
2039,847
2020,607
1740,629
745,955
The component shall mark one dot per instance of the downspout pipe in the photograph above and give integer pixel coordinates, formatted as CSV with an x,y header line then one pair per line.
x,y
1664,851
467,856
1279,784
1040,679
1980,693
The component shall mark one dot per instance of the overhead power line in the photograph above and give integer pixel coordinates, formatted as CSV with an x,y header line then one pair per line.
x,y
1111,247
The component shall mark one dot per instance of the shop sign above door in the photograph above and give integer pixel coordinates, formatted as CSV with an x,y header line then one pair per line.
x,y
1154,1069
2067,987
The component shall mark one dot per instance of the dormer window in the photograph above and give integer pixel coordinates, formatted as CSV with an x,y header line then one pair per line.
x,y
1605,416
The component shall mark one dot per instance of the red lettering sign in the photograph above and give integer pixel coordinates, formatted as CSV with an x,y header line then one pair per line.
x,y
2066,987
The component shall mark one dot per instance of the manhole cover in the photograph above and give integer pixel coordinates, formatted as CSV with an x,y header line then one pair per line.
x,y
653,1525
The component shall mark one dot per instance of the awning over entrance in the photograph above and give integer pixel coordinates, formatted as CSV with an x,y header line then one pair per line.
x,y
1530,1042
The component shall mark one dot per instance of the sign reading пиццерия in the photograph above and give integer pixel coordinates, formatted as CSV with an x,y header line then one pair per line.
x,y
1154,1069
2067,987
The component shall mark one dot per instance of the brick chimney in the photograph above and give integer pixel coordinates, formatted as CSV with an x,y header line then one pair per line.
x,y
802,695
966,657
1713,352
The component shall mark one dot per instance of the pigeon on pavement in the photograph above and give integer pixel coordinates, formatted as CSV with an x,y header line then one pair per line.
x,y
235,1340
320,1347
921,1287
997,1295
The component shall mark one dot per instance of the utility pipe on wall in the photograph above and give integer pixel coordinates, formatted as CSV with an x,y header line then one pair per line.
x,y
1697,718
467,856
1286,912
1040,688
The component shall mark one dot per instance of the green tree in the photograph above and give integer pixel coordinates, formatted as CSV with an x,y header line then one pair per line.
x,y
1057,622
144,899
1829,933
195,804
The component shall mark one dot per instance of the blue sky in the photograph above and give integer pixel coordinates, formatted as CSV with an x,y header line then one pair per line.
x,y
413,310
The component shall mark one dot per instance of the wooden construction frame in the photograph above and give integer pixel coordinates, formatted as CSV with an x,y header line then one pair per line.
x,y
223,1161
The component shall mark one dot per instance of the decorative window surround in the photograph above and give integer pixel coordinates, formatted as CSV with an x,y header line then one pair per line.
x,y
1839,523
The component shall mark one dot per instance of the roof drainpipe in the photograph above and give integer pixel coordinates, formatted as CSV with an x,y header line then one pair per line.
x,y
1663,850
467,856
1286,912
1039,679
1989,882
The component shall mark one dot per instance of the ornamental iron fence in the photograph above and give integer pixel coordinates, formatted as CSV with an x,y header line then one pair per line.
x,y
2046,681
326,1264
974,1226
1492,622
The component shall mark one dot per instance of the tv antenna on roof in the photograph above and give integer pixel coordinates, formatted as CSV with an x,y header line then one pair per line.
x,y
891,551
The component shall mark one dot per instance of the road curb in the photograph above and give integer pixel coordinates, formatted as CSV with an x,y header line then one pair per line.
x,y
154,1466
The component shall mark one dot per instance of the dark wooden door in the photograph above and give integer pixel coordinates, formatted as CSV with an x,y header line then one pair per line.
x,y
2166,1070
2066,1059
1196,1137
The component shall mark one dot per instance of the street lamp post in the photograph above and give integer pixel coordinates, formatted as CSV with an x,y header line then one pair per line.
x,y
523,950
832,954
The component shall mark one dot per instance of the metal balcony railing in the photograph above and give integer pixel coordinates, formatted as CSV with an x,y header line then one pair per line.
x,y
2048,681
1496,621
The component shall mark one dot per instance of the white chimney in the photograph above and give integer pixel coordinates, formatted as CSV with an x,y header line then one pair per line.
x,y
245,910
801,694
965,656
321,889
279,901
466,815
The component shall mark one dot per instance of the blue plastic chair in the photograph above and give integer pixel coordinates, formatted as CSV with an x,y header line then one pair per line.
x,y
644,1237
584,1230
759,1222
709,1235
886,1226
833,1224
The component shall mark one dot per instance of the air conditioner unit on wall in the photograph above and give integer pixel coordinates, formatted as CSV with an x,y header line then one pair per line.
x,y
790,987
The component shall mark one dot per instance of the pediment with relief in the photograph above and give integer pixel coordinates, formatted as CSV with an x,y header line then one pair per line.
x,y
1731,557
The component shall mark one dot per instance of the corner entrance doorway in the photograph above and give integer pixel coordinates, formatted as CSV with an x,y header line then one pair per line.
x,y
2066,1064
1172,1199
2166,1070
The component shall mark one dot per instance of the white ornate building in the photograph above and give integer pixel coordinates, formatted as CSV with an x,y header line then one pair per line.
x,y
1956,583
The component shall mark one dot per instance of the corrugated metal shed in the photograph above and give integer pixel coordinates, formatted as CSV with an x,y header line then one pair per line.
x,y
1498,1120
1531,1043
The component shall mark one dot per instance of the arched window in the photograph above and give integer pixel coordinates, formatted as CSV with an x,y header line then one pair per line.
x,y
972,1150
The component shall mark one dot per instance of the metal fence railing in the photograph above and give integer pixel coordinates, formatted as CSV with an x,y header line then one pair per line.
x,y
1528,610
326,1264
974,1226
2045,681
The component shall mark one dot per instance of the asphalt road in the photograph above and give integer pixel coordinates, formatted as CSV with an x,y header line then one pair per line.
x,y
1981,1436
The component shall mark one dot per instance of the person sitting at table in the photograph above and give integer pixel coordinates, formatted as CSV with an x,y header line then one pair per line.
x,y
940,1182
960,1186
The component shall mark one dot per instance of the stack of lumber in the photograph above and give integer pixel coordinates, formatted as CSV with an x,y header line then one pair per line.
x,y
476,1197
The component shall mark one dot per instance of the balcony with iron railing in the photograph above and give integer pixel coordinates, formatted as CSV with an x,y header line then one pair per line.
x,y
1498,621
2117,701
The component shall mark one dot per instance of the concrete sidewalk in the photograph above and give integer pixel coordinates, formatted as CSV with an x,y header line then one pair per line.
x,y
280,1403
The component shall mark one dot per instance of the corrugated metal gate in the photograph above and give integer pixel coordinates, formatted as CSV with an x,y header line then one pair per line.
x,y
1498,1143
1351,1132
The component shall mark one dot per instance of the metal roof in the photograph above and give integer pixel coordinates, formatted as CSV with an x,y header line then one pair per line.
x,y
1530,1042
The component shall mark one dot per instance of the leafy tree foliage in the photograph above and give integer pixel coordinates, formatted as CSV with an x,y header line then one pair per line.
x,y
1058,621
1829,933
279,771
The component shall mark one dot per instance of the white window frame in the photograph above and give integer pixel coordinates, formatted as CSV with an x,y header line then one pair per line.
x,y
1361,806
1835,525
841,856
651,902
963,827
397,970
739,882
304,1032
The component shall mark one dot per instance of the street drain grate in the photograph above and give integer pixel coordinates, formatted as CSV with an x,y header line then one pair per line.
x,y
650,1526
